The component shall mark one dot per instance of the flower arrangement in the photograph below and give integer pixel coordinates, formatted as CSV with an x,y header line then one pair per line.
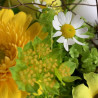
x,y
48,49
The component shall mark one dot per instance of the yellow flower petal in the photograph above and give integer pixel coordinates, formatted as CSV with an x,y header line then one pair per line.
x,y
43,35
34,30
6,15
40,90
3,90
92,81
13,91
14,32
24,94
81,91
19,19
8,89
28,21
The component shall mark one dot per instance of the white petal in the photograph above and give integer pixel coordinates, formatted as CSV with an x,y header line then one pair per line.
x,y
82,30
56,20
58,33
75,19
61,39
71,41
40,10
77,22
78,42
55,25
82,36
68,17
61,18
43,3
66,45
35,5
37,1
79,32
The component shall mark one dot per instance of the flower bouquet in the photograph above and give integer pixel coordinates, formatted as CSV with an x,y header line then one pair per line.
x,y
48,49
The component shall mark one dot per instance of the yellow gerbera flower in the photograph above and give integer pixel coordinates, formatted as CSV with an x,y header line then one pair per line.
x,y
91,91
14,32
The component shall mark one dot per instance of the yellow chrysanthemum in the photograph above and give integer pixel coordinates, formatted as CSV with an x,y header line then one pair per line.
x,y
91,91
14,32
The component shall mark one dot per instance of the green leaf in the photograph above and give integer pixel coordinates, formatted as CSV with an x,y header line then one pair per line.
x,y
85,47
71,78
73,52
19,52
46,19
89,60
53,91
21,85
71,65
28,46
75,60
36,41
32,89
59,76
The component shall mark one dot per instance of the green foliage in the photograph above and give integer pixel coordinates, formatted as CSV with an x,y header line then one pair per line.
x,y
15,73
23,65
75,50
32,89
19,53
66,91
28,46
90,60
2,2
59,76
46,19
70,65
87,58
71,78
16,10
53,91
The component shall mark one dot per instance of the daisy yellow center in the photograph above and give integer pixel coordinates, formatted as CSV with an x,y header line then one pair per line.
x,y
68,31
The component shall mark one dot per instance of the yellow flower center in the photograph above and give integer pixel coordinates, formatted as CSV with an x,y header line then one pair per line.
x,y
7,59
68,31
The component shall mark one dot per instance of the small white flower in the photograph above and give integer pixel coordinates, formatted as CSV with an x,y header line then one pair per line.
x,y
67,28
38,2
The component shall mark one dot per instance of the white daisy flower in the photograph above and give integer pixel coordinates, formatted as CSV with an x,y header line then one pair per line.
x,y
38,2
67,28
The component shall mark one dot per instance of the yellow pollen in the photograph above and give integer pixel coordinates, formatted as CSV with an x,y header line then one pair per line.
x,y
68,31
